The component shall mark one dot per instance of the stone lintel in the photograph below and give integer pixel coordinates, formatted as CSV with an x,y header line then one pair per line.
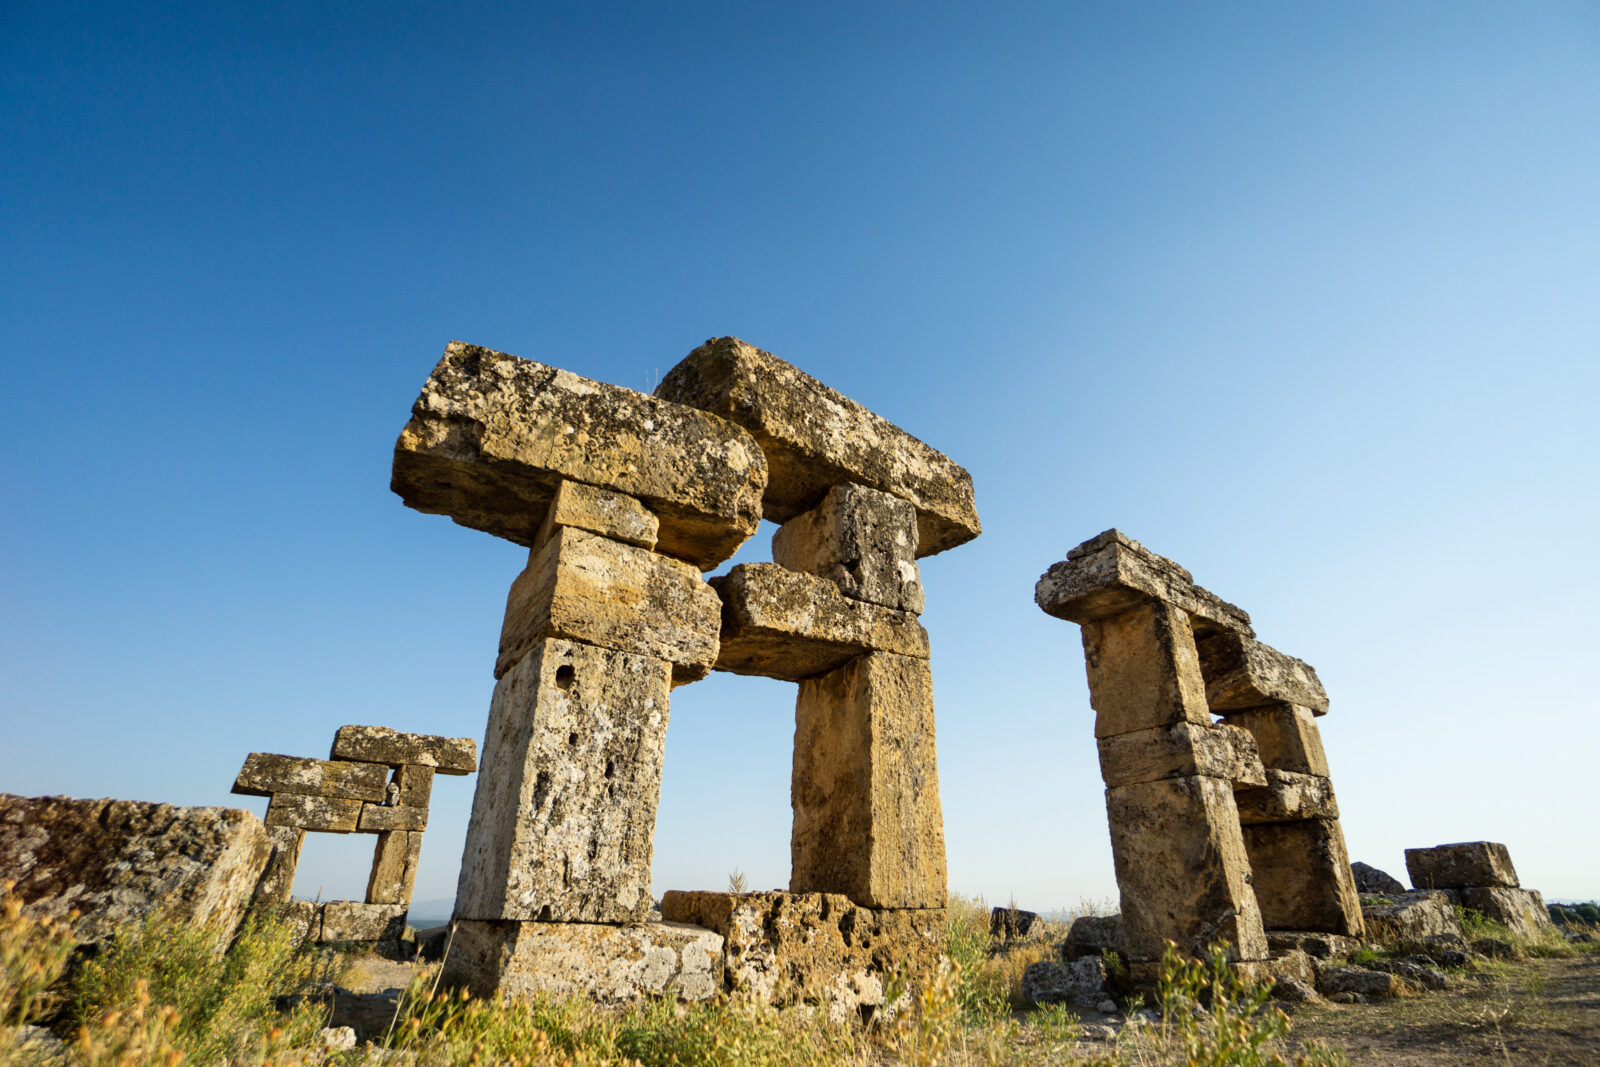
x,y
264,774
602,512
1459,865
379,744
1241,672
1110,573
782,624
1302,878
1288,797
351,920
862,540
815,438
329,814
492,436
1179,751
376,818
1286,735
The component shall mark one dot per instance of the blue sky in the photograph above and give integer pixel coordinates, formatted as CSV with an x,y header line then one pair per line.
x,y
1303,296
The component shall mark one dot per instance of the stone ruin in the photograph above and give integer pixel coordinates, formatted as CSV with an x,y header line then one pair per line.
x,y
1221,832
623,499
375,781
1479,875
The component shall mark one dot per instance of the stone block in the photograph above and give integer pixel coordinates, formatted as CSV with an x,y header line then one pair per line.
x,y
118,862
1180,751
865,791
1314,943
379,744
565,808
1241,672
376,818
815,438
1457,866
283,859
861,540
585,588
1182,869
492,437
328,814
304,917
1410,919
1370,880
605,963
813,948
1287,797
779,623
1090,935
264,774
394,867
349,920
413,786
1110,573
1081,983
1286,735
1143,671
1302,878
1368,985
1523,910
602,512
1014,924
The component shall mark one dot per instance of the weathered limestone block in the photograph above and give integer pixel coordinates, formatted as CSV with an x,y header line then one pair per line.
x,y
492,436
813,947
1182,868
1110,573
376,818
607,963
1370,880
1241,672
1180,751
1301,874
264,774
1014,924
1466,863
1319,945
394,867
1089,935
867,820
413,786
304,917
117,862
1414,917
328,814
1369,985
379,744
861,540
585,588
565,807
1286,735
349,920
277,877
1523,910
1143,671
1286,797
779,623
815,438
602,512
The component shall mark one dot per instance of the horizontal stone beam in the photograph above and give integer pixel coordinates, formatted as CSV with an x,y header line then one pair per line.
x,y
603,962
815,438
779,623
1110,573
600,511
1463,864
379,744
328,814
492,437
349,920
1287,797
1241,672
264,774
1179,751
376,818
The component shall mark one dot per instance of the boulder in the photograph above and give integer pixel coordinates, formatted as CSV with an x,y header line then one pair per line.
x,y
861,540
1458,866
1090,935
1242,673
1411,918
1372,882
1111,572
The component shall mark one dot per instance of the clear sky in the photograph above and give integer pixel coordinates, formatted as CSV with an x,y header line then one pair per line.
x,y
1305,296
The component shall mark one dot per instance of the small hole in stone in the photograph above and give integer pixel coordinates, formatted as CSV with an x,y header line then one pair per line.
x,y
544,914
572,739
611,768
565,675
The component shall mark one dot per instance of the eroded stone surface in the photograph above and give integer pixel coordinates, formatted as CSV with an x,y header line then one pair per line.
x,y
815,438
1370,880
1179,751
861,540
329,814
376,817
1143,671
349,920
1301,874
379,744
492,436
1089,935
586,588
118,862
779,623
1411,918
1111,572
565,807
865,791
1523,910
264,774
1287,797
1241,672
394,867
283,857
1463,864
602,512
1286,735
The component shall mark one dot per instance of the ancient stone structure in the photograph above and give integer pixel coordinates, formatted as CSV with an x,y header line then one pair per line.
x,y
623,499
1479,875
1220,831
375,781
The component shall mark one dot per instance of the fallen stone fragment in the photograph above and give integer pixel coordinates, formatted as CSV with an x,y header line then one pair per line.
x,y
1090,935
1295,963
492,437
782,624
277,876
1179,751
581,587
1294,991
1013,924
1522,910
1143,671
1286,735
1287,797
1410,919
1418,971
264,774
348,920
606,963
1243,673
1372,985
336,1038
1081,983
1371,881
602,512
379,744
815,438
1110,573
1314,943
861,540
394,867
1495,948
328,814
376,818
1301,875
119,862
1457,866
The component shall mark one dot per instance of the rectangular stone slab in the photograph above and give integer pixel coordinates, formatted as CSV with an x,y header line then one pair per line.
x,y
1241,672
1287,797
1302,878
782,624
328,814
861,540
1143,671
815,438
1465,863
277,878
264,774
865,791
1111,572
379,744
376,817
565,808
350,920
492,436
1179,751
586,588
602,512
394,867
1287,737
1523,910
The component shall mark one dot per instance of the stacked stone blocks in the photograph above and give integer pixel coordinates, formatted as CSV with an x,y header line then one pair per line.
x,y
1479,875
